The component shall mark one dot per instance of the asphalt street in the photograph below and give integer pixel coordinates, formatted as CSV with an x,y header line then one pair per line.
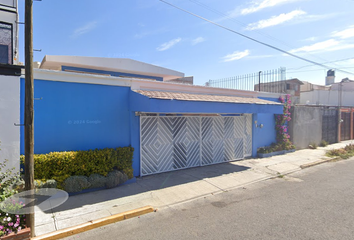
x,y
315,203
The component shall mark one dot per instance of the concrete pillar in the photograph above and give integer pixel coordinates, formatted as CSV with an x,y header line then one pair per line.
x,y
10,114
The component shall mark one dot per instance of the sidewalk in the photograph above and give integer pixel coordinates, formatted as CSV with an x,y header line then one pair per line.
x,y
167,189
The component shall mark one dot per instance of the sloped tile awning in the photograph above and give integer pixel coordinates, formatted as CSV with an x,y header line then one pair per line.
x,y
180,102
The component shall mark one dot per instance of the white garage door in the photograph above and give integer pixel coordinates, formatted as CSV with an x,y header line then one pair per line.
x,y
172,143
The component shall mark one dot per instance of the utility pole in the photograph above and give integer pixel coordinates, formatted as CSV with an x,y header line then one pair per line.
x,y
29,131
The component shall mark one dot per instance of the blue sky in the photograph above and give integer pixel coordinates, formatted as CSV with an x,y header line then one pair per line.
x,y
156,33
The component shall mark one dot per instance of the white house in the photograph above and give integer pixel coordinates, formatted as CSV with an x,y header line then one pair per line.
x,y
9,84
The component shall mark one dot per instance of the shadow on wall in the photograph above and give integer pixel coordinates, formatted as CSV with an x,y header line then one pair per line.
x,y
150,183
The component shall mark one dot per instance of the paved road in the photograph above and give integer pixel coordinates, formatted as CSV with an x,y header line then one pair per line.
x,y
316,203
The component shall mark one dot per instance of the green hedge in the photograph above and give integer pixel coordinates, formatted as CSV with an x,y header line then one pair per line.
x,y
61,165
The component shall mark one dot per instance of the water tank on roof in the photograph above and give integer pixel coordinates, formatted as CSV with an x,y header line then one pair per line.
x,y
330,73
330,77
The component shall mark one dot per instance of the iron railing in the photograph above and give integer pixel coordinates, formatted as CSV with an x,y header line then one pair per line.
x,y
266,81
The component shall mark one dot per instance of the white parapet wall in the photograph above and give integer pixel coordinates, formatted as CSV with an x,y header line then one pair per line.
x,y
10,114
330,98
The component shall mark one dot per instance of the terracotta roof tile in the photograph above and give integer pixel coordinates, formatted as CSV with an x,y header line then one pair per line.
x,y
202,97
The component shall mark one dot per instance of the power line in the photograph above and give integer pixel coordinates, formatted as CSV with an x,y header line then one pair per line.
x,y
245,25
313,70
253,39
340,60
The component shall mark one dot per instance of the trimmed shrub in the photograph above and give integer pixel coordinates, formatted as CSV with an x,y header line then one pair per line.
x,y
51,183
76,184
97,181
115,178
61,165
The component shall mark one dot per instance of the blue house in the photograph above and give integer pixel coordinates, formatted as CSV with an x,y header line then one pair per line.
x,y
86,103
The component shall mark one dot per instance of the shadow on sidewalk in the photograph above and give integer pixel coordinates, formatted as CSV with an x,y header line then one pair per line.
x,y
149,183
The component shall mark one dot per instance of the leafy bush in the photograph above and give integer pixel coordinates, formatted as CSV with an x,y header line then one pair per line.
x,y
9,222
51,183
275,147
61,165
349,148
344,153
323,143
8,181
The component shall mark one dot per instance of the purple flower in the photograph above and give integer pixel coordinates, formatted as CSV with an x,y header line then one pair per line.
x,y
1,227
10,224
16,225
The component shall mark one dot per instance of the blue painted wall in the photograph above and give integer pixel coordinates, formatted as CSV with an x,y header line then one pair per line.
x,y
267,135
76,116
135,141
115,74
263,136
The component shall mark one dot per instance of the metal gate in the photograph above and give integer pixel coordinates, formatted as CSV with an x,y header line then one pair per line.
x,y
329,125
170,143
345,126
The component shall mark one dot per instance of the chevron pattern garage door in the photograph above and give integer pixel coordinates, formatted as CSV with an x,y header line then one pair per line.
x,y
172,143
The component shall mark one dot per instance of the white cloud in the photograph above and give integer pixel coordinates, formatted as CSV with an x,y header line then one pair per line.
x,y
84,29
324,46
236,55
262,56
314,18
347,33
317,46
198,40
256,6
168,45
275,20
310,39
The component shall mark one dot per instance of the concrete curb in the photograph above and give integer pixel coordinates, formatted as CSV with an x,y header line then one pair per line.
x,y
317,163
95,224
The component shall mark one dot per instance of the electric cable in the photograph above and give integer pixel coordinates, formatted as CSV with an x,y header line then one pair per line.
x,y
253,39
257,31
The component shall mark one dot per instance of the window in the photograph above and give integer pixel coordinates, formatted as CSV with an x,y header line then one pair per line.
x,y
5,43
4,53
288,86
